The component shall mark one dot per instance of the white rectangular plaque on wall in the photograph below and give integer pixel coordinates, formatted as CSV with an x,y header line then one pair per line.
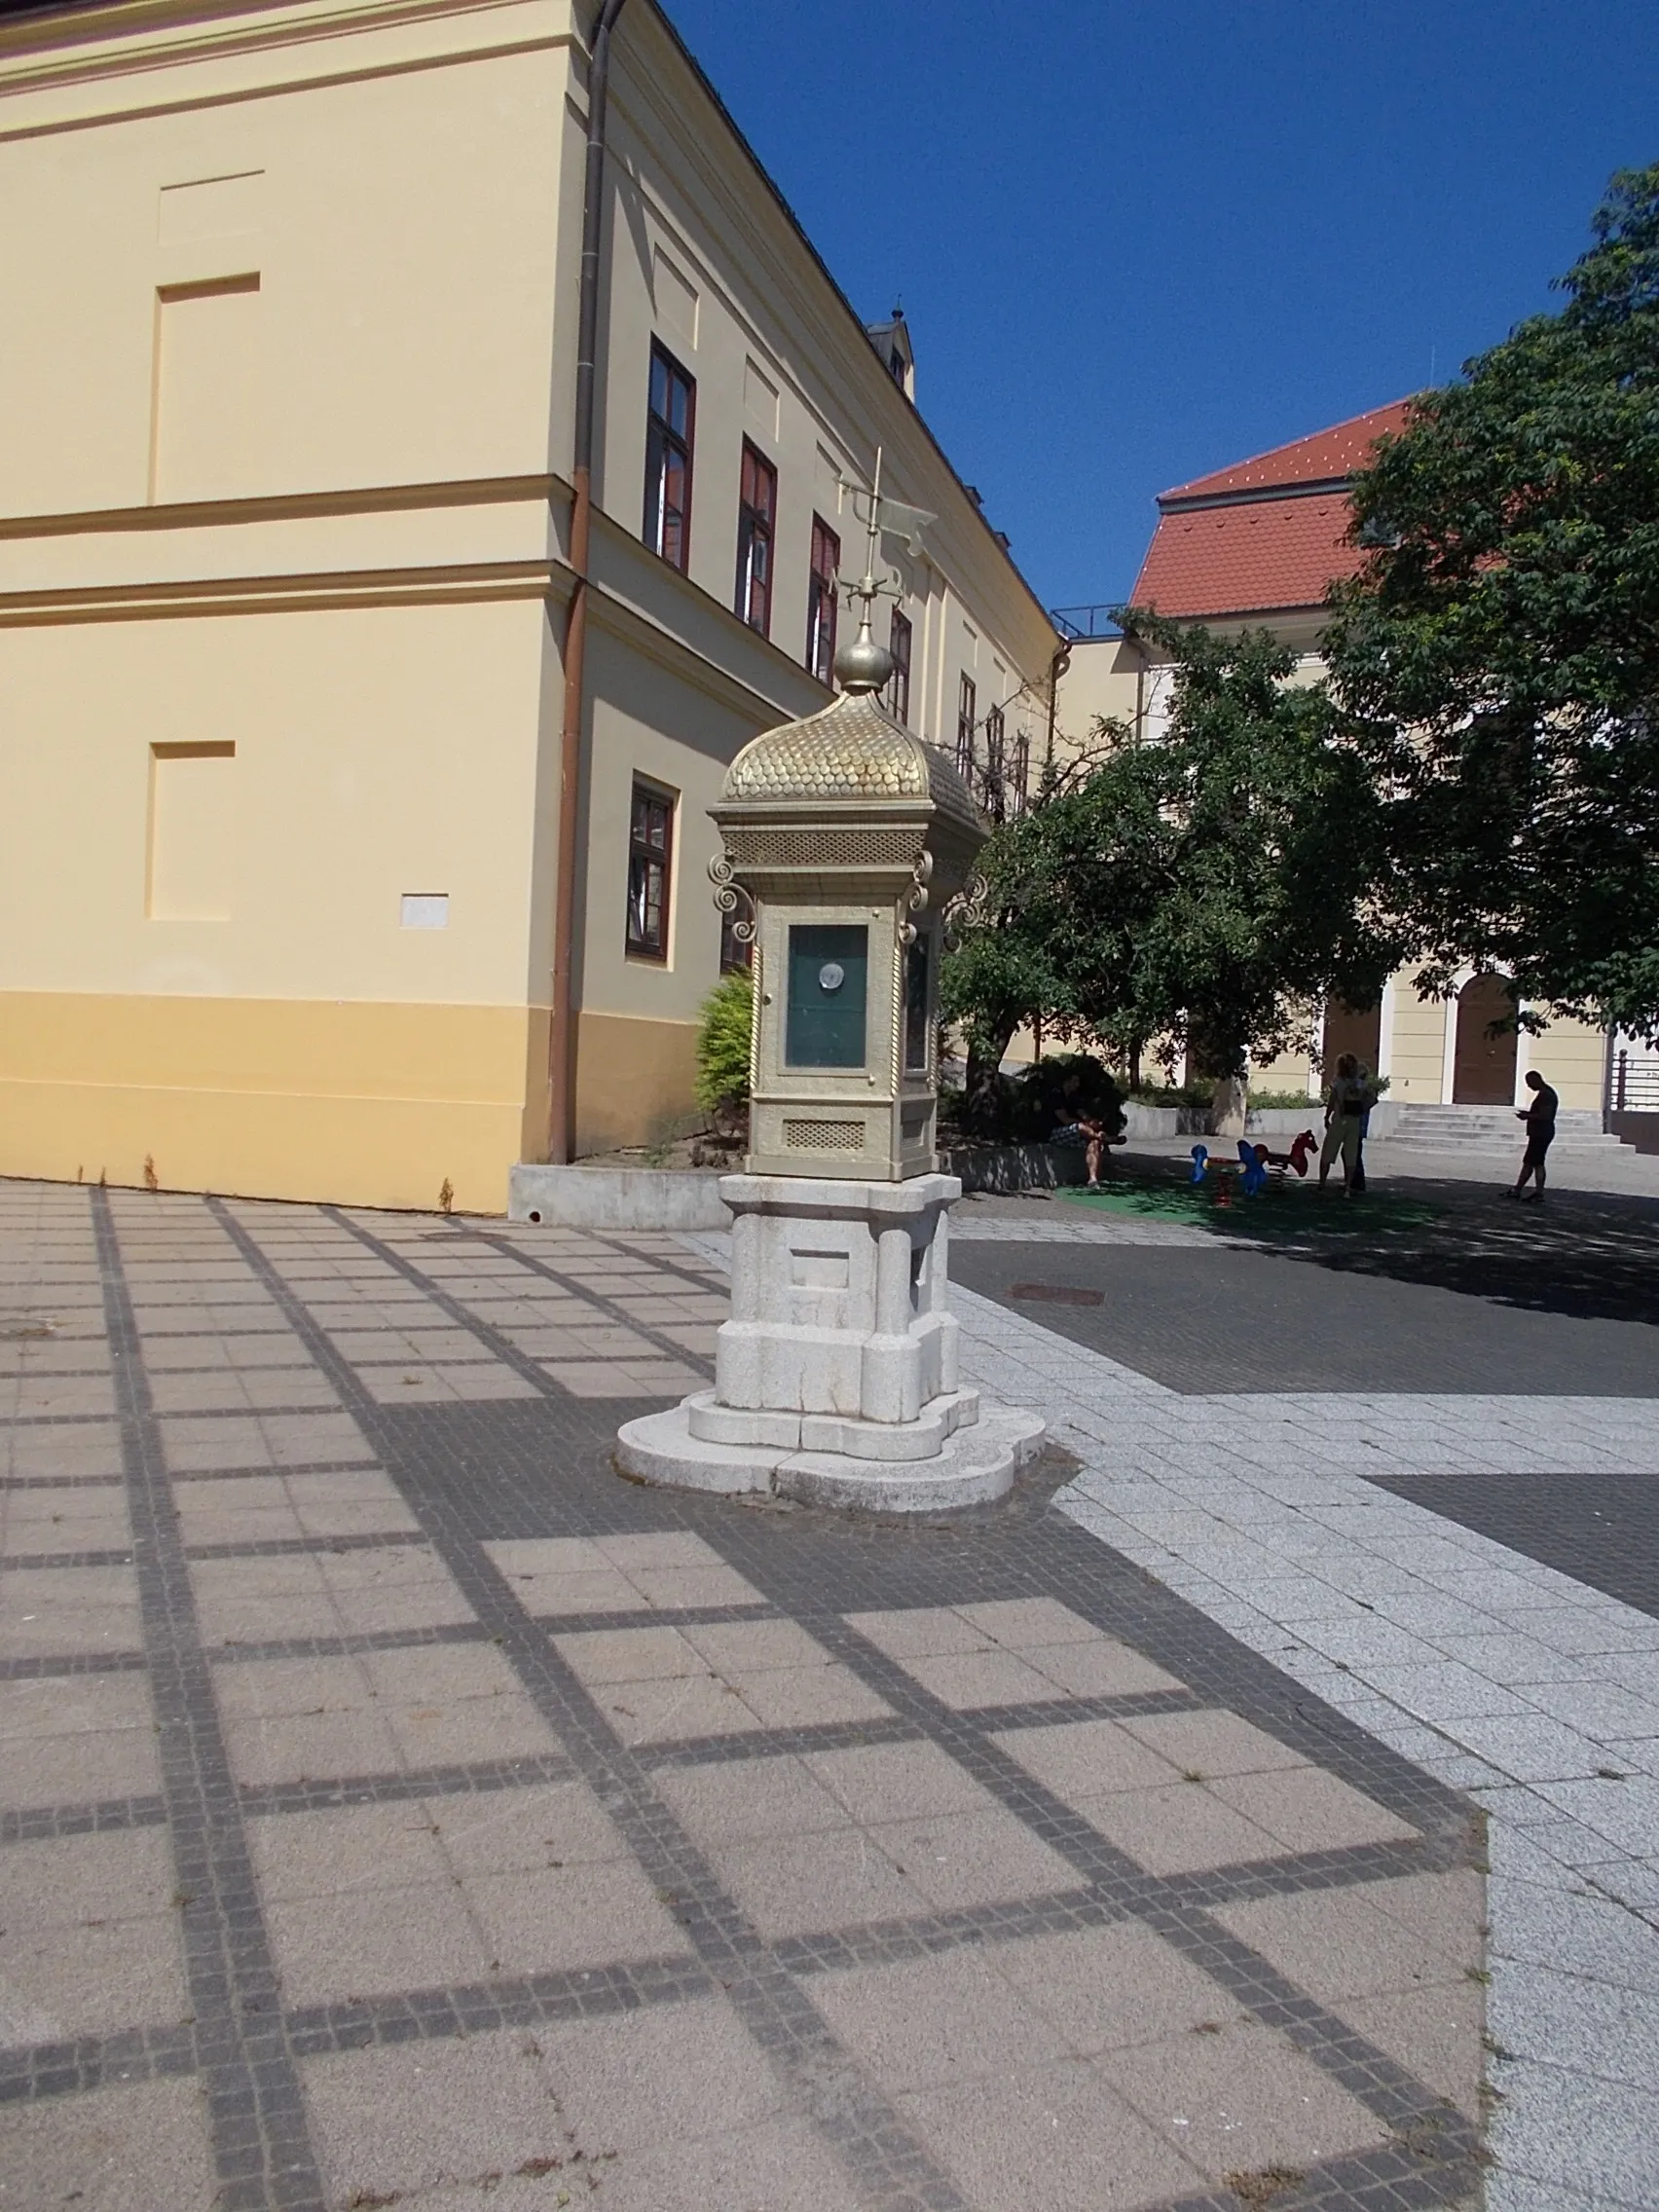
x,y
425,911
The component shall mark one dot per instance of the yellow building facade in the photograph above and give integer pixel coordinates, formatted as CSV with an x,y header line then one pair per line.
x,y
285,565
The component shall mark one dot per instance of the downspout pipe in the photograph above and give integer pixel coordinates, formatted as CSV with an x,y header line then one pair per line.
x,y
561,1036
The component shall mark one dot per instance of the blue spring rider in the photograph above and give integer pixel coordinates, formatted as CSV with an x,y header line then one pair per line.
x,y
1252,1167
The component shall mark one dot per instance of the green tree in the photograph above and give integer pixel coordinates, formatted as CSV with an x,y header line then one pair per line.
x,y
1213,885
1501,641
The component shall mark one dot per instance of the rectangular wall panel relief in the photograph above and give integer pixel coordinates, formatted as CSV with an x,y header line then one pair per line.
x,y
759,401
209,207
676,300
192,832
208,352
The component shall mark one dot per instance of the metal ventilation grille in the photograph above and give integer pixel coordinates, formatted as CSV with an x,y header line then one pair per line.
x,y
824,1136
826,847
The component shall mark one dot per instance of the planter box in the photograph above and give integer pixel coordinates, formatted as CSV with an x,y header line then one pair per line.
x,y
616,1198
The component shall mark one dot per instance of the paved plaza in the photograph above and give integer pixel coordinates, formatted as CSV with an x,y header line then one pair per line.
x,y
397,1807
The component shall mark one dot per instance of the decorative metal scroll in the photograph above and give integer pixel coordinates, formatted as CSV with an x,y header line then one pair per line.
x,y
965,912
916,900
727,896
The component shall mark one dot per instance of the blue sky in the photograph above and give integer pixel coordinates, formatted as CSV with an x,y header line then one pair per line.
x,y
1136,243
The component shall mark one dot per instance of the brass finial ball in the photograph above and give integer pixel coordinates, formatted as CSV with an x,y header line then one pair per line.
x,y
861,664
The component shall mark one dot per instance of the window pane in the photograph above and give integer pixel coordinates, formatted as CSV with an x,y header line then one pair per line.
x,y
916,1004
825,1027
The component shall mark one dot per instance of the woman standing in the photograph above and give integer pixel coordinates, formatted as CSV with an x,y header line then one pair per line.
x,y
1344,1110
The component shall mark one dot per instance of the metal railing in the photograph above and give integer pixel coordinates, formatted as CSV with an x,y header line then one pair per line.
x,y
1094,621
1632,1086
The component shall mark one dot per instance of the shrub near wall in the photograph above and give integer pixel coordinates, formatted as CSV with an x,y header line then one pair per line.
x,y
723,1047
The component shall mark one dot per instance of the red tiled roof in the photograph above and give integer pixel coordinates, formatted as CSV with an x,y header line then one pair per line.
x,y
1334,453
1249,540
1267,553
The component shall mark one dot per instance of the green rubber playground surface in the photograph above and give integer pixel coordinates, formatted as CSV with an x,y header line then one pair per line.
x,y
1282,1209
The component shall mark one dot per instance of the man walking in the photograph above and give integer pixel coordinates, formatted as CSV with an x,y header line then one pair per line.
x,y
1541,1120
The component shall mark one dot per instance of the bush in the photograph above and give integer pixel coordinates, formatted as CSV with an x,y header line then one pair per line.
x,y
1172,1093
723,1043
1270,1101
1027,1108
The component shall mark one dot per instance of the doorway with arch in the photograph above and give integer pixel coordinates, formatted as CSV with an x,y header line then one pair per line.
x,y
1482,1065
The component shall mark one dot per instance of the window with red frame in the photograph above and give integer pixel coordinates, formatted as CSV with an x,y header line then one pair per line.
x,y
757,518
650,868
821,600
898,682
671,426
965,728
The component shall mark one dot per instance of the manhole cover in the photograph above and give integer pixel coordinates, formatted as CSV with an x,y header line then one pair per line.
x,y
1058,1294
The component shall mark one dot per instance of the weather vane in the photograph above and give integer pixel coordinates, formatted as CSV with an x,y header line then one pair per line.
x,y
864,665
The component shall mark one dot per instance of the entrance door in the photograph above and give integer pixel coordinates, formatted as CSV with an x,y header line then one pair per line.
x,y
1483,1068
1351,1029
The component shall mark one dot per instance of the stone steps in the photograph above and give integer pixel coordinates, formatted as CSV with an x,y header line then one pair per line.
x,y
1493,1128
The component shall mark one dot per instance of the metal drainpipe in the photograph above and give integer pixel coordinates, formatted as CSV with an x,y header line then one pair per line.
x,y
1057,669
562,1037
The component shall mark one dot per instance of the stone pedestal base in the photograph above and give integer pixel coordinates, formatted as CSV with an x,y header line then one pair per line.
x,y
835,1377
974,1466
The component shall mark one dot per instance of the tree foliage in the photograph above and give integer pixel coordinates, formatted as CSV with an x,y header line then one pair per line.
x,y
1501,644
1210,886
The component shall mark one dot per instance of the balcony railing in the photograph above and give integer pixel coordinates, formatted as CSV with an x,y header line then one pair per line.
x,y
1087,621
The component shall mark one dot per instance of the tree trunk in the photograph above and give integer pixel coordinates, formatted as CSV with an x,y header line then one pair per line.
x,y
1228,1107
984,1059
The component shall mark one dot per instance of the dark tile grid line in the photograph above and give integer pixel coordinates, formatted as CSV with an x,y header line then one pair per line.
x,y
840,1735
364,1466
310,1795
348,1647
1399,2100
299,1547
262,2151
1383,2180
1100,1905
502,1344
189,1412
1387,2088
518,2002
67,2069
18,1561
654,1617
46,1668
59,1481
886,2165
33,1824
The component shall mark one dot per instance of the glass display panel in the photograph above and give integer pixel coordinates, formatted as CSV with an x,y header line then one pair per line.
x,y
825,1013
916,1006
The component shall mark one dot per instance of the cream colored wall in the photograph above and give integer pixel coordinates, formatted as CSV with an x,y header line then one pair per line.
x,y
1571,1056
688,203
1103,681
376,752
379,750
401,332
1416,1059
378,656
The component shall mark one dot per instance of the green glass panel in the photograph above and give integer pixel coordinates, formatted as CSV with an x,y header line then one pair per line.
x,y
916,1004
828,970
